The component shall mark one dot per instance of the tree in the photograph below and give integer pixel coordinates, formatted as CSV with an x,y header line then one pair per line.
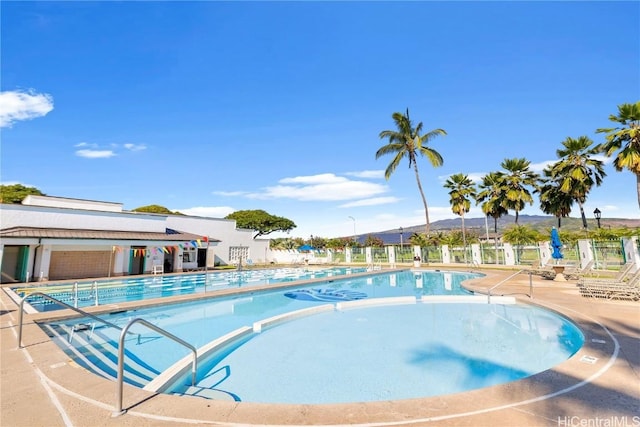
x,y
15,193
462,189
626,139
578,171
520,235
261,221
492,195
373,241
553,200
407,142
155,209
515,184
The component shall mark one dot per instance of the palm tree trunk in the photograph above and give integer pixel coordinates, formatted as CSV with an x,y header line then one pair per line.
x,y
584,218
424,200
638,187
464,239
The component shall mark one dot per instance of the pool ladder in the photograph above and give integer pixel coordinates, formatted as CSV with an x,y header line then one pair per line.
x,y
121,342
94,288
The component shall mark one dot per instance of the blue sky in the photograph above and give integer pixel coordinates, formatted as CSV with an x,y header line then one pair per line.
x,y
212,107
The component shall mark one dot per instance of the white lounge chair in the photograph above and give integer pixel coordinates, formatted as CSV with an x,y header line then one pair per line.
x,y
624,289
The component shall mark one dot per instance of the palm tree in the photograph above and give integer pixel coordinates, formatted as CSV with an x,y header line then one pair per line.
x,y
515,183
578,171
407,142
553,200
462,188
492,194
520,235
625,138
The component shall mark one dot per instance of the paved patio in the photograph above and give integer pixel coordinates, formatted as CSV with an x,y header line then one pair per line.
x,y
598,386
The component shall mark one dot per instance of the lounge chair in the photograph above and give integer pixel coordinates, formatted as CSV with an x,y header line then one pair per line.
x,y
611,289
575,272
623,274
545,271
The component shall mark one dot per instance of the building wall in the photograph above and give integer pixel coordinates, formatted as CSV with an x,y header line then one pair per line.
x,y
68,203
224,230
50,217
79,265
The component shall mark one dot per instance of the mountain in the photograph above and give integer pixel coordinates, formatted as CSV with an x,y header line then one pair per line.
x,y
541,223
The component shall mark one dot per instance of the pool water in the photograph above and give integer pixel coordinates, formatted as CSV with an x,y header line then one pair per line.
x,y
142,288
391,352
360,354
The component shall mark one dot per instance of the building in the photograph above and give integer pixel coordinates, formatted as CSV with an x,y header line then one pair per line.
x,y
56,238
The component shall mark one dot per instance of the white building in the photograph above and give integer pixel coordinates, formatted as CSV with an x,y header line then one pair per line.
x,y
55,238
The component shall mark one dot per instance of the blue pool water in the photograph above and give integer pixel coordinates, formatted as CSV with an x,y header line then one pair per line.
x,y
379,352
142,288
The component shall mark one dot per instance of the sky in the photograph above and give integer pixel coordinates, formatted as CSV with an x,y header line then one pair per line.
x,y
211,107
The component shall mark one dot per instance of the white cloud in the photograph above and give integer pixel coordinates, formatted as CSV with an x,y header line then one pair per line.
x,y
95,154
93,151
324,178
375,201
539,167
229,193
20,105
375,174
207,211
341,190
321,187
135,147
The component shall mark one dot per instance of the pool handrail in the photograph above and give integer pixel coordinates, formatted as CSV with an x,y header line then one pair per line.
x,y
57,301
509,278
123,334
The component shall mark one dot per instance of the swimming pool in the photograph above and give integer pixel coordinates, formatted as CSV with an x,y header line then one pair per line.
x,y
384,351
101,292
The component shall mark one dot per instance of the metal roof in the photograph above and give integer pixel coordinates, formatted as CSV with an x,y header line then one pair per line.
x,y
63,233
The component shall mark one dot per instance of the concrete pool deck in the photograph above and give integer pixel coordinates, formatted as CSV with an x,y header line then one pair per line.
x,y
598,386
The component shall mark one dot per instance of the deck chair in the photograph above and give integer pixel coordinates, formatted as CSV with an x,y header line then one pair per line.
x,y
624,289
545,270
623,274
575,272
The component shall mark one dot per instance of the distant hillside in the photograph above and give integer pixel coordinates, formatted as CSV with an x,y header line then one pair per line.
x,y
539,222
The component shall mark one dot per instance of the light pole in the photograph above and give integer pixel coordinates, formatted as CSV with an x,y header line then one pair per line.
x,y
401,245
598,215
354,227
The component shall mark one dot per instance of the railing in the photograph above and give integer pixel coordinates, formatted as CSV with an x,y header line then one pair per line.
x,y
509,278
57,301
194,365
94,288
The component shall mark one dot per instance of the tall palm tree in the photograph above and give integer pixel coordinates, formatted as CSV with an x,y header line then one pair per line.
x,y
578,171
492,194
553,200
515,184
407,141
625,138
462,190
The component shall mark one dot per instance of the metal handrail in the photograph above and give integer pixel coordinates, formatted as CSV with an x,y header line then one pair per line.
x,y
57,301
507,279
194,365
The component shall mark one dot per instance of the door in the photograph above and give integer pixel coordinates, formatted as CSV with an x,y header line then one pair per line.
x,y
136,262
